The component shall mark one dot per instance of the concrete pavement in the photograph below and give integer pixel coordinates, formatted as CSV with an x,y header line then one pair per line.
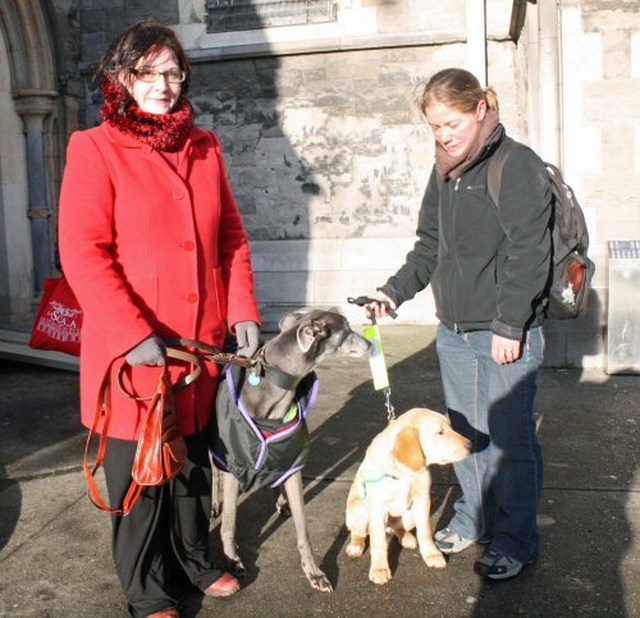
x,y
54,545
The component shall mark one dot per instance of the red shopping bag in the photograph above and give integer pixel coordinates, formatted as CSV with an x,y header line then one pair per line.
x,y
59,319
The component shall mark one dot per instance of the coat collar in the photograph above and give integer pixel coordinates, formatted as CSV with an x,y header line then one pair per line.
x,y
129,141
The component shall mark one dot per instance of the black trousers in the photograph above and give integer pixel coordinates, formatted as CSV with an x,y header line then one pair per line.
x,y
164,541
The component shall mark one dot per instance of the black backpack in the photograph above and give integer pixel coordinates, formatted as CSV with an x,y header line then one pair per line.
x,y
572,269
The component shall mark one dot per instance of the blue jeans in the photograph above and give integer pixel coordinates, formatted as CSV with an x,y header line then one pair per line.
x,y
492,405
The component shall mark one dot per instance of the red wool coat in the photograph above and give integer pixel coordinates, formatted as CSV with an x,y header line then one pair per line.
x,y
149,249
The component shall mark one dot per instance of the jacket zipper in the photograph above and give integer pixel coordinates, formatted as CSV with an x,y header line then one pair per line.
x,y
456,186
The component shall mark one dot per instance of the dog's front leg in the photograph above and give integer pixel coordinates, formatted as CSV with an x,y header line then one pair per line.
x,y
230,494
317,579
379,571
421,509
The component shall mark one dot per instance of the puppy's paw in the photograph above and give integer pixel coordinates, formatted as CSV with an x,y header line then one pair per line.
x,y
357,543
408,541
435,560
380,575
355,549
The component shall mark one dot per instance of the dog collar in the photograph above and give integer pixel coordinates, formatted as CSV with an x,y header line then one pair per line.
x,y
260,368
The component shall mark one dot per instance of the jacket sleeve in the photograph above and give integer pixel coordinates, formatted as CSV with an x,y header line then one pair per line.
x,y
524,214
86,236
235,258
421,261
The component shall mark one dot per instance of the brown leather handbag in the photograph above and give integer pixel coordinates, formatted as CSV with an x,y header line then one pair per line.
x,y
161,448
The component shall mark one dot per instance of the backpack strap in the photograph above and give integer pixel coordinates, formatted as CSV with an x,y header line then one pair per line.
x,y
496,166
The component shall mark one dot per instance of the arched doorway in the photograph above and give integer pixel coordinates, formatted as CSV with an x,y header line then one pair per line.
x,y
28,96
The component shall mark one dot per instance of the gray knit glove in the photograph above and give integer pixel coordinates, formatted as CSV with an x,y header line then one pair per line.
x,y
149,352
248,337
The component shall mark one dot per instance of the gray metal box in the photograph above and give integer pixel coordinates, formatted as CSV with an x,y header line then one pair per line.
x,y
623,307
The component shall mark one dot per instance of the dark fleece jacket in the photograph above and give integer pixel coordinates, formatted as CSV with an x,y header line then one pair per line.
x,y
488,267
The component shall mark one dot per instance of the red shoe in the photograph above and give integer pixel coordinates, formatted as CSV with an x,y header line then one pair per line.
x,y
224,586
172,612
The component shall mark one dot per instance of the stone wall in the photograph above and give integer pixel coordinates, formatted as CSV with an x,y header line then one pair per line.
x,y
328,159
325,152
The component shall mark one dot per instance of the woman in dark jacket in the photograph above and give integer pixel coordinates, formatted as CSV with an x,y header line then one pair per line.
x,y
489,270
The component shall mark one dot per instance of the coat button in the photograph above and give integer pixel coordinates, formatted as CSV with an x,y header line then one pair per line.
x,y
189,245
192,297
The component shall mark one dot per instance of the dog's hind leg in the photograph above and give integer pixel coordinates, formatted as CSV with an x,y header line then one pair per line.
x,y
282,504
402,527
357,522
317,579
230,494
216,491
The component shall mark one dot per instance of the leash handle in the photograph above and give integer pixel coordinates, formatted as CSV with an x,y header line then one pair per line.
x,y
361,301
184,381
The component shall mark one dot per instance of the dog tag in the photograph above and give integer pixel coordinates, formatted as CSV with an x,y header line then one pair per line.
x,y
254,378
376,357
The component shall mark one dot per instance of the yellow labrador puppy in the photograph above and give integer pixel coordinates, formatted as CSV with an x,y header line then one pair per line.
x,y
391,491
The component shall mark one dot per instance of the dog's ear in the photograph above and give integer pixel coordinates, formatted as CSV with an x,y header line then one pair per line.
x,y
307,333
407,449
289,320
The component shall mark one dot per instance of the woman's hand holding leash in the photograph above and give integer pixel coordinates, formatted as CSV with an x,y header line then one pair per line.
x,y
248,337
379,305
149,351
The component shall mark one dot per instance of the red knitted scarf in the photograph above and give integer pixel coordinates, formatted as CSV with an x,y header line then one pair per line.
x,y
166,132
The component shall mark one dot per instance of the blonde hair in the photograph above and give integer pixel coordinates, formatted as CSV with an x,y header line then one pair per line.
x,y
458,89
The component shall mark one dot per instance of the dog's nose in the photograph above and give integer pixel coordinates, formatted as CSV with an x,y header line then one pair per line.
x,y
356,345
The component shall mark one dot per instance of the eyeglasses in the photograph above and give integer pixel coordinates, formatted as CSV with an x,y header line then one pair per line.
x,y
150,76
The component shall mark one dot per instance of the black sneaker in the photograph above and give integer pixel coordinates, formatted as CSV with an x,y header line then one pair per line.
x,y
497,565
450,542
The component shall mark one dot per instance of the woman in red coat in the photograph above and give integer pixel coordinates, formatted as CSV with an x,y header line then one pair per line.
x,y
153,245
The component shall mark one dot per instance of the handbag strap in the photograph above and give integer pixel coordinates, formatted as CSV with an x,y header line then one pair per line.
x,y
104,411
184,381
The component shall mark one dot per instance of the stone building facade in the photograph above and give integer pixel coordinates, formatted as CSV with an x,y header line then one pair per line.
x,y
325,151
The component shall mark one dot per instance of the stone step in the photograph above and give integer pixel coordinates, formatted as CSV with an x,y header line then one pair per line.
x,y
14,346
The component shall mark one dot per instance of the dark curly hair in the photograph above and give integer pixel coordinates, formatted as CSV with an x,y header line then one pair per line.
x,y
136,42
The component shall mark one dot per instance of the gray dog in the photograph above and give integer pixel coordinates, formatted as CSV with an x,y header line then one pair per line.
x,y
261,437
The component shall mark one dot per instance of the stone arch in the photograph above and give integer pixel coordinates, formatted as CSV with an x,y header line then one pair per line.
x,y
28,94
25,28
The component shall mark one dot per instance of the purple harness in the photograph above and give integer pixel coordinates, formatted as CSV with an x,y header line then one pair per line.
x,y
260,452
